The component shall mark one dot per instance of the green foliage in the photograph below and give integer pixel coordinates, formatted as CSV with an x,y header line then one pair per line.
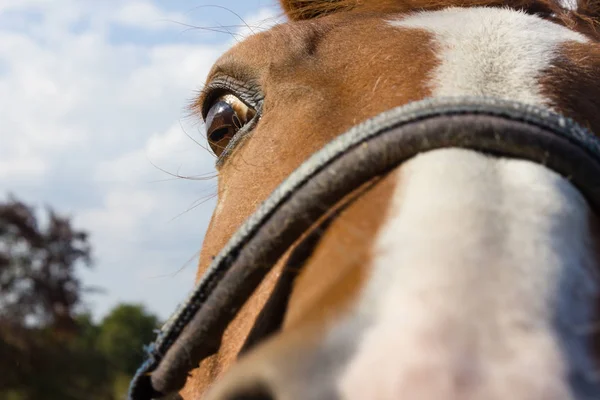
x,y
123,333
44,365
96,362
120,386
47,350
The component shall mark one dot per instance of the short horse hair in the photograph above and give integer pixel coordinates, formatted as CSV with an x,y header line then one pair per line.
x,y
584,15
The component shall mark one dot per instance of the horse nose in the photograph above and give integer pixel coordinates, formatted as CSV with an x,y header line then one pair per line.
x,y
301,365
329,367
331,370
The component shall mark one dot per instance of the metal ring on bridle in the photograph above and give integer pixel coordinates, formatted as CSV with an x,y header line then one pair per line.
x,y
368,150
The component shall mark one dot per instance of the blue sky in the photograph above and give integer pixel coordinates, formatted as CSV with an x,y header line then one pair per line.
x,y
92,101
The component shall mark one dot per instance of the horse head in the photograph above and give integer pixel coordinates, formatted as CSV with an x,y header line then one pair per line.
x,y
462,272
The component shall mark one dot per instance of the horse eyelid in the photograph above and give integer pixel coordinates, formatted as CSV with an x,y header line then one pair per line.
x,y
218,87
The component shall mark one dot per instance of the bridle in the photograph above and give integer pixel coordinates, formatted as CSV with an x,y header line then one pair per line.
x,y
368,150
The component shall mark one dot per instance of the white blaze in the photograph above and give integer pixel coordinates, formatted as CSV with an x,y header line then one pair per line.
x,y
490,51
469,270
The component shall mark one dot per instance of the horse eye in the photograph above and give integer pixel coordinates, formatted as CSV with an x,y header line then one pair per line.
x,y
226,116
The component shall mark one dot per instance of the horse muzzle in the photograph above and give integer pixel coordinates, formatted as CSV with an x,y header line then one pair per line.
x,y
371,149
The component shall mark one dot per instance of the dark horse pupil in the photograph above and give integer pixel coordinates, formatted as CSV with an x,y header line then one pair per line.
x,y
218,134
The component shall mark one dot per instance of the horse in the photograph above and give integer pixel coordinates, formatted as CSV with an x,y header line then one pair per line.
x,y
459,270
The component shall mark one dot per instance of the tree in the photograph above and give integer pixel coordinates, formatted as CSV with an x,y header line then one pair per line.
x,y
123,334
38,281
40,354
47,349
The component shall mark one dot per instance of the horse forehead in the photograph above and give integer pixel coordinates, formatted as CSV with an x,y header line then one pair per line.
x,y
490,33
256,52
498,44
491,51
321,40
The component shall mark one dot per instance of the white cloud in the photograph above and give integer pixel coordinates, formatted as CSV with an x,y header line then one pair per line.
x,y
84,116
145,15
6,5
23,165
121,212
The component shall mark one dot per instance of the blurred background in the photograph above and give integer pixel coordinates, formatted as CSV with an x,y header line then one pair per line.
x,y
105,187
